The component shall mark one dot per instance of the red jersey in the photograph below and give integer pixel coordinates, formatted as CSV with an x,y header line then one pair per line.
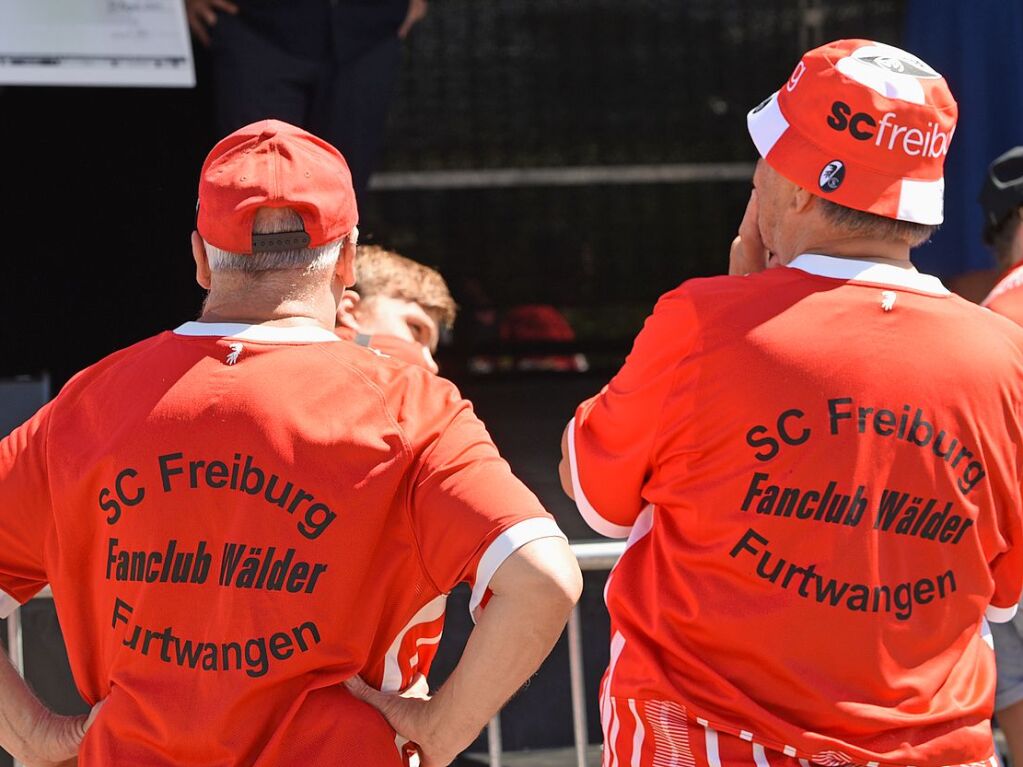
x,y
1006,298
822,500
407,351
234,520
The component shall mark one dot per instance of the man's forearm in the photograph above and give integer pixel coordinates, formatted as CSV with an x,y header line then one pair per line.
x,y
516,631
20,712
29,731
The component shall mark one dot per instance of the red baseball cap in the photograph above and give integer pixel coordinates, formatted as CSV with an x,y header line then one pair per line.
x,y
275,165
863,124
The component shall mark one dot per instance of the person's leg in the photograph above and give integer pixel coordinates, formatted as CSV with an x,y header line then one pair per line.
x,y
1010,720
1008,643
353,101
254,78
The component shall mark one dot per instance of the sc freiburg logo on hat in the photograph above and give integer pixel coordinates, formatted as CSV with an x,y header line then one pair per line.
x,y
832,176
903,64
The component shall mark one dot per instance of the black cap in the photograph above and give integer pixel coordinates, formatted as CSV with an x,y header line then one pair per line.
x,y
1003,189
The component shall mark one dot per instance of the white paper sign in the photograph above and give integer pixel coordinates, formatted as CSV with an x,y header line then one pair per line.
x,y
95,42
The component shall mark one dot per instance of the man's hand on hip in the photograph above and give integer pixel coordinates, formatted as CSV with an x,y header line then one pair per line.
x,y
411,716
54,739
534,591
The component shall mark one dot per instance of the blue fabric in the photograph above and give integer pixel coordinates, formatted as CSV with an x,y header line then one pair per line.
x,y
978,47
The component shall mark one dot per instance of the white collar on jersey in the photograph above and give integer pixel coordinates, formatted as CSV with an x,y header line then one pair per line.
x,y
279,334
868,271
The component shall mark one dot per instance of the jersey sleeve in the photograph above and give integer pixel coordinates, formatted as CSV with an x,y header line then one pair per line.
x,y
25,512
611,438
1007,573
468,511
1007,566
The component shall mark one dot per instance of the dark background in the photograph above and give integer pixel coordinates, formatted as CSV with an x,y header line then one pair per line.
x,y
98,197
99,185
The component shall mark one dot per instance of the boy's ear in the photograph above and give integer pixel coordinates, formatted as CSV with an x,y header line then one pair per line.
x,y
347,308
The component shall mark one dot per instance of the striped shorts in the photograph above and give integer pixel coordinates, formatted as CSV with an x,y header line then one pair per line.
x,y
653,733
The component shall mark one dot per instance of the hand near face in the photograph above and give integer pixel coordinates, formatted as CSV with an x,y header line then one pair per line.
x,y
748,254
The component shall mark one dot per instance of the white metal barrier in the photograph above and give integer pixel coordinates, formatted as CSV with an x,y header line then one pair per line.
x,y
592,556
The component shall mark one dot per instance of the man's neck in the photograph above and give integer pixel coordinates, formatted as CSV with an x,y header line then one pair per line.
x,y
292,313
862,249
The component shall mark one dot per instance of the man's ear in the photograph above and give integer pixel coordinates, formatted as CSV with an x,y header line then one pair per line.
x,y
346,310
345,269
202,262
802,200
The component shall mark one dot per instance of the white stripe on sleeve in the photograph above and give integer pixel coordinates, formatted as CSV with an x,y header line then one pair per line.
x,y
590,515
506,544
1000,614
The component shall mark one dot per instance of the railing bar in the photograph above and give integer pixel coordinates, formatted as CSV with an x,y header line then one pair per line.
x,y
575,670
15,648
494,740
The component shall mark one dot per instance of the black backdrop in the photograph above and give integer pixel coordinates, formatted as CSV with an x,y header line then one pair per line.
x,y
97,199
98,185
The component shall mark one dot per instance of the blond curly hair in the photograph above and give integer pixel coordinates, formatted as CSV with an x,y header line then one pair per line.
x,y
380,272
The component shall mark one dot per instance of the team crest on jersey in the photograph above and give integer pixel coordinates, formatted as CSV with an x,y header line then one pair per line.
x,y
832,176
234,354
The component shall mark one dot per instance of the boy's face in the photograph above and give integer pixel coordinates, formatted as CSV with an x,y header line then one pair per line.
x,y
386,315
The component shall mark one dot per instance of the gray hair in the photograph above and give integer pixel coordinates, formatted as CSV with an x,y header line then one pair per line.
x,y
878,227
274,221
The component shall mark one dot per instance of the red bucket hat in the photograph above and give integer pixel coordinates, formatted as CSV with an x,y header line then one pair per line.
x,y
863,124
275,165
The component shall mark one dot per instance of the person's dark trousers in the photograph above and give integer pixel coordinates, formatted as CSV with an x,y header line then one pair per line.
x,y
329,67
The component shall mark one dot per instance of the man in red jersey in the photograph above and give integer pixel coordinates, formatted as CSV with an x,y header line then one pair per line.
x,y
1002,200
821,496
397,306
243,516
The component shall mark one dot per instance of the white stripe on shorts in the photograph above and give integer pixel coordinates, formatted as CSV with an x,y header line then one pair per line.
x,y
637,738
713,757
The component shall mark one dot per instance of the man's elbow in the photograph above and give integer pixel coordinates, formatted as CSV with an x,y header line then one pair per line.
x,y
566,585
545,572
559,581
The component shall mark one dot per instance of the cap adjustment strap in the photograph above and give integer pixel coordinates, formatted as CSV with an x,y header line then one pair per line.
x,y
278,241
